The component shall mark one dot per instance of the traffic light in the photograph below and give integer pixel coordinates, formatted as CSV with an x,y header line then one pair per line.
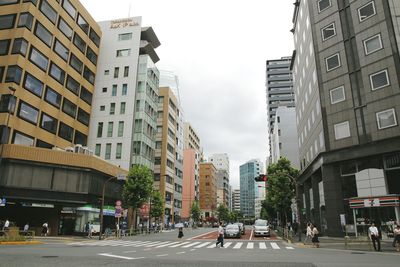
x,y
261,178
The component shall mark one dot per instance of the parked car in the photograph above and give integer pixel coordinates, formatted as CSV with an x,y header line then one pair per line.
x,y
241,227
232,230
261,228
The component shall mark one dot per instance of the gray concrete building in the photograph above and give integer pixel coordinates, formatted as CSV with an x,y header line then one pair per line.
x,y
346,72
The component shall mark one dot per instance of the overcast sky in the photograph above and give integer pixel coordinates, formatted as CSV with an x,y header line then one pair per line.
x,y
218,49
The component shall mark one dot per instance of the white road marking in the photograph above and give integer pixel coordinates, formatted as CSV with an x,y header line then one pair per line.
x,y
119,257
212,246
147,249
143,243
250,245
227,244
202,244
238,245
262,245
190,245
156,244
180,244
130,251
162,255
275,245
197,236
289,248
166,245
193,249
182,252
251,234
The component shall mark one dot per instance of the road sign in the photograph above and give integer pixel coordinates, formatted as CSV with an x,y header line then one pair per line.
x,y
121,177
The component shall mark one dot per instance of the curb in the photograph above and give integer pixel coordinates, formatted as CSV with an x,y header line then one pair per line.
x,y
21,243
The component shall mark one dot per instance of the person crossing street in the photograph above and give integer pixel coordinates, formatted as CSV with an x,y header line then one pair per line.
x,y
220,239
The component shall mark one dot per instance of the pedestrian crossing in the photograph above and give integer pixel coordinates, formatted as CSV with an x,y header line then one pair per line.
x,y
183,244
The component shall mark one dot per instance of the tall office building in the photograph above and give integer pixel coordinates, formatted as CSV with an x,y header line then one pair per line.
x,y
221,163
192,156
346,69
168,169
48,59
236,200
208,190
249,187
123,121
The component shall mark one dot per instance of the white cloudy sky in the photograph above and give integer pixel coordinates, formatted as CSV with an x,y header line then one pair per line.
x,y
218,49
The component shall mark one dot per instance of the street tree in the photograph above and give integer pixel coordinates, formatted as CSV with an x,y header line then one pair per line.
x,y
281,188
137,188
156,205
195,211
223,213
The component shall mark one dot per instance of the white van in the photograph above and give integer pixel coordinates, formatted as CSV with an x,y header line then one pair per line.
x,y
261,228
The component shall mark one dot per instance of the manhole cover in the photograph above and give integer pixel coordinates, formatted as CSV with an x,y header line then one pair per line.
x,y
49,256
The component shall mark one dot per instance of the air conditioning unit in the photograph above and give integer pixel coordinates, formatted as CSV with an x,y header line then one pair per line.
x,y
78,149
69,149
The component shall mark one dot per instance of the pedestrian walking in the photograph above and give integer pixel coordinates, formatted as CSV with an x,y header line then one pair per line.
x,y
45,229
315,239
295,227
220,239
180,234
396,241
26,228
374,235
89,229
6,225
308,233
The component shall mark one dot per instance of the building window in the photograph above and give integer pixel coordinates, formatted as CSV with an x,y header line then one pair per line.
x,y
28,113
53,97
57,73
4,47
75,63
33,85
123,52
48,123
122,108
69,8
80,138
116,72
7,21
126,71
69,108
43,144
386,119
118,151
65,28
14,74
102,108
124,36
8,2
38,59
48,11
25,20
108,151
72,85
328,31
20,46
43,34
342,130
78,42
92,56
94,37
366,11
83,24
1,73
124,89
332,62
379,79
83,117
99,129
120,129
88,75
112,108
106,72
114,90
65,132
373,44
97,150
337,95
323,4
22,139
104,89
61,50
30,1
86,95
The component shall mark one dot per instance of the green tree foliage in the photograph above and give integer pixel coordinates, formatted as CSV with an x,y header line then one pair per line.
x,y
195,211
223,213
280,188
157,205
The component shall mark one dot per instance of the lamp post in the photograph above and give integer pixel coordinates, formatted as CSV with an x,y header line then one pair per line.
x,y
12,90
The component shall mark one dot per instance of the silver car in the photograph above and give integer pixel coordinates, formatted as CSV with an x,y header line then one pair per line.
x,y
261,228
232,230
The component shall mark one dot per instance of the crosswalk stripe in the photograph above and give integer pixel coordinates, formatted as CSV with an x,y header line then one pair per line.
x,y
190,245
180,244
156,244
168,244
238,245
227,244
211,246
130,243
250,245
289,247
275,245
202,244
262,245
143,243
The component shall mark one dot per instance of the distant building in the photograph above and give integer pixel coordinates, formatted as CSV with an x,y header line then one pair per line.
x,y
220,161
208,189
236,200
249,187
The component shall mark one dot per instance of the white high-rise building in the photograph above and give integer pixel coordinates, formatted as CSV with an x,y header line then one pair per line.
x,y
220,161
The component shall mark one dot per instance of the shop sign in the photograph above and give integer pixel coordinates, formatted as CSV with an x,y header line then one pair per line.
x,y
388,201
68,210
3,202
122,23
37,205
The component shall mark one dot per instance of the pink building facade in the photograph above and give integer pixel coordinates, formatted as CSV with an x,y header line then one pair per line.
x,y
189,182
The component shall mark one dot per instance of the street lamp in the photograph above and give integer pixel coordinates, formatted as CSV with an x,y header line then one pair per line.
x,y
9,107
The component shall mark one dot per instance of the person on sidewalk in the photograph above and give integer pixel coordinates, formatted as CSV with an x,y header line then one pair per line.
x,y
180,234
374,235
220,239
396,241
45,229
315,239
308,233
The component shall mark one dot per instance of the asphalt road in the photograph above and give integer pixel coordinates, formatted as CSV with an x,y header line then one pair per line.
x,y
165,249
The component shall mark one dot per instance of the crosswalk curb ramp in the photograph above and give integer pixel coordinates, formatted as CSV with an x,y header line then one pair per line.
x,y
184,244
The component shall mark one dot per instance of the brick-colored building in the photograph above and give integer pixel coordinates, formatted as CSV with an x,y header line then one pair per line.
x,y
208,189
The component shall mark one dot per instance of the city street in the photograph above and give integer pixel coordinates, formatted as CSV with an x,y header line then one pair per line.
x,y
165,249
